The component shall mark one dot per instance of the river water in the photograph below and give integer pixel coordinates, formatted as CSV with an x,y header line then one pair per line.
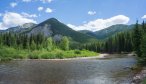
x,y
113,70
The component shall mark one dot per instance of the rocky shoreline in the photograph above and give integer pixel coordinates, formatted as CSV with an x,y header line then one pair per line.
x,y
139,77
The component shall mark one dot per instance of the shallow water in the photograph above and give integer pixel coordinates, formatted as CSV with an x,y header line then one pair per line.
x,y
91,71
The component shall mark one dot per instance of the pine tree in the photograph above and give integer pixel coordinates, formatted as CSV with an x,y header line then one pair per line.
x,y
137,39
143,48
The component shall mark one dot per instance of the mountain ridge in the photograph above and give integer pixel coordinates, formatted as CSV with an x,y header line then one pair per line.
x,y
53,28
109,31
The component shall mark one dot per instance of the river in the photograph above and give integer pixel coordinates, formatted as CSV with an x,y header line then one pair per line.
x,y
112,70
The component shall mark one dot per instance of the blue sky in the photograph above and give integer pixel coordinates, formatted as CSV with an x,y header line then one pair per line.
x,y
78,14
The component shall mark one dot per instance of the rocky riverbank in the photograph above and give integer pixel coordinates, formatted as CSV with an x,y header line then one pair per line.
x,y
139,77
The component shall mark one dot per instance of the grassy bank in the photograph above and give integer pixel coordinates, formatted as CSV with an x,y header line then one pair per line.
x,y
7,53
144,81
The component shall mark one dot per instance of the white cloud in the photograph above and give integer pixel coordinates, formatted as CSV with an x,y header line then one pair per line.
x,y
29,15
44,1
11,19
144,17
49,10
13,4
40,8
26,0
99,24
91,12
1,14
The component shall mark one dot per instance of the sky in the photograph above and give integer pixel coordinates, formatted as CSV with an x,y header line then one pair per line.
x,y
90,15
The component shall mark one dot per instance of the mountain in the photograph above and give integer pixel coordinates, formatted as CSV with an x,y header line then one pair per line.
x,y
19,29
51,28
109,31
54,28
102,34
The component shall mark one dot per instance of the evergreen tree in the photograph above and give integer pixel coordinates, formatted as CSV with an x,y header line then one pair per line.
x,y
137,39
143,27
143,48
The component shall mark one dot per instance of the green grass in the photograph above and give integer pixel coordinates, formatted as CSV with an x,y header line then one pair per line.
x,y
7,53
144,81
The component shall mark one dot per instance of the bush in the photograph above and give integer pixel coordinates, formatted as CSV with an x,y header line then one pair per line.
x,y
34,55
6,59
144,81
77,52
47,55
7,53
59,55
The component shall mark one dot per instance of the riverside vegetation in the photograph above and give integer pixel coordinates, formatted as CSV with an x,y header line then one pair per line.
x,y
37,47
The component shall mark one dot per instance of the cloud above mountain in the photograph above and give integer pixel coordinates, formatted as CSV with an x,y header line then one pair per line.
x,y
49,10
26,0
143,17
40,8
44,1
99,24
91,12
13,4
11,19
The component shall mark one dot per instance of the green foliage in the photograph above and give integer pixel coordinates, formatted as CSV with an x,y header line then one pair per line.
x,y
37,47
34,55
77,52
47,55
49,44
140,42
64,44
137,39
121,42
33,46
7,53
143,50
59,55
144,81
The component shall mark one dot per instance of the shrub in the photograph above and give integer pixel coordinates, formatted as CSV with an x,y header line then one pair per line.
x,y
77,52
59,55
34,55
47,55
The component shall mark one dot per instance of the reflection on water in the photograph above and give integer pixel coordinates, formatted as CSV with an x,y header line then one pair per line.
x,y
92,71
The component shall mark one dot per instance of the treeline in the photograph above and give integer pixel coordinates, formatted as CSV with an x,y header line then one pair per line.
x,y
124,42
121,42
32,42
139,36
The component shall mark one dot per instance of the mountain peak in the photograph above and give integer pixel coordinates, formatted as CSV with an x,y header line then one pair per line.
x,y
52,19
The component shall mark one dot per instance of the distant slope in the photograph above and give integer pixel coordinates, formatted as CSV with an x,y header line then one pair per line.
x,y
102,34
107,32
19,29
90,33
